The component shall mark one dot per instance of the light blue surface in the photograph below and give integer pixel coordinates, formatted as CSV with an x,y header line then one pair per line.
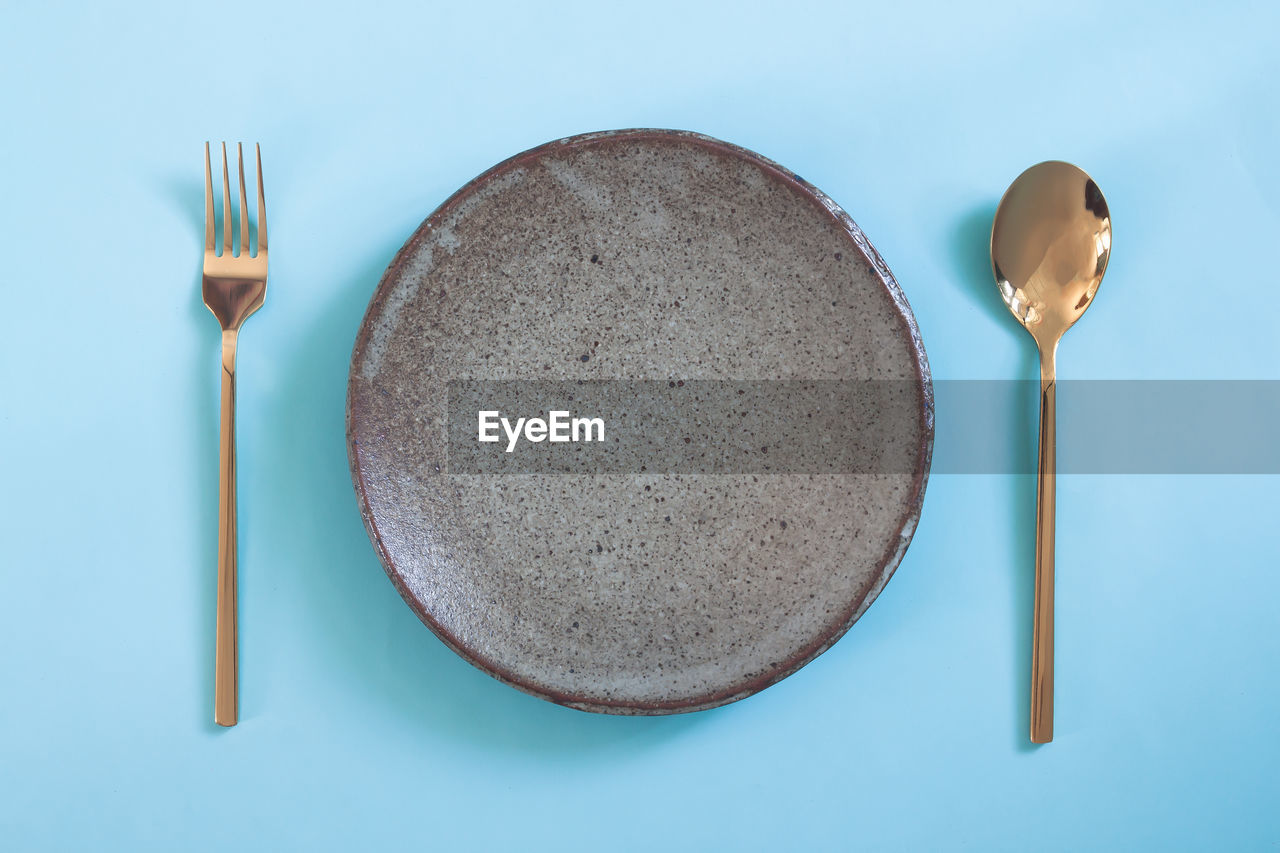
x,y
360,730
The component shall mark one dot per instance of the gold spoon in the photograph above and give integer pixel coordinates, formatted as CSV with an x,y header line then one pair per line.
x,y
1049,247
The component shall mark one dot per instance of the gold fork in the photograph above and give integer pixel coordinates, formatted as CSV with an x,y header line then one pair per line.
x,y
234,287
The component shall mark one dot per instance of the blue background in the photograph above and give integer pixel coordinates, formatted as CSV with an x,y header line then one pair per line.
x,y
360,730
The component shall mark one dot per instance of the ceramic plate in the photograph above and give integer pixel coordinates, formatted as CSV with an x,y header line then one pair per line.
x,y
627,263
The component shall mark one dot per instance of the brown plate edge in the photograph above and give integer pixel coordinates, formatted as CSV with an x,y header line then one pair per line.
x,y
893,554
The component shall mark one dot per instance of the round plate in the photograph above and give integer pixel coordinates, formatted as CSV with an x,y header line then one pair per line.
x,y
633,255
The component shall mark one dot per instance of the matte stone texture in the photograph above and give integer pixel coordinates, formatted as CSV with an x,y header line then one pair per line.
x,y
639,255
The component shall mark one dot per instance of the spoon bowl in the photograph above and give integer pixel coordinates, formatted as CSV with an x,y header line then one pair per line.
x,y
1049,247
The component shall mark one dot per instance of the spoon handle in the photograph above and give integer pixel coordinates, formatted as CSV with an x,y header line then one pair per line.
x,y
1042,637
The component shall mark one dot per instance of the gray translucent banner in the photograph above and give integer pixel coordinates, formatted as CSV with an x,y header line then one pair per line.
x,y
857,427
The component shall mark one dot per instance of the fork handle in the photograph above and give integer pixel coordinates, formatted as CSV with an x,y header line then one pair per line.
x,y
1042,632
226,692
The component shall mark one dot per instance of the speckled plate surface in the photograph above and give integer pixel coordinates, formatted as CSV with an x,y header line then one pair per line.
x,y
632,255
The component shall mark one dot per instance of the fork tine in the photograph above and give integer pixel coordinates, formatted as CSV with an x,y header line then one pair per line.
x,y
244,209
262,206
226,205
209,243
